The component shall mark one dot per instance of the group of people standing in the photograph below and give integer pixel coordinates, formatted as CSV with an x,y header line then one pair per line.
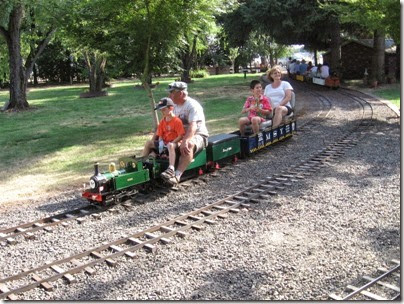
x,y
297,67
183,129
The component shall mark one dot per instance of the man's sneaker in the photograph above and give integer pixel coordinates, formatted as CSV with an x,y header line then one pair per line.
x,y
172,181
166,175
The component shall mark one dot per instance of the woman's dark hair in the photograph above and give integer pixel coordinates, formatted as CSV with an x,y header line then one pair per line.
x,y
253,83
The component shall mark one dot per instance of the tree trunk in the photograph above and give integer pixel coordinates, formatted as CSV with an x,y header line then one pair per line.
x,y
271,59
398,61
335,57
36,52
315,58
377,72
35,70
96,66
187,61
18,85
146,77
19,74
100,73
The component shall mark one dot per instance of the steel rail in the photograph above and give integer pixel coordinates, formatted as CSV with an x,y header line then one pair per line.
x,y
27,229
256,193
206,214
9,235
373,282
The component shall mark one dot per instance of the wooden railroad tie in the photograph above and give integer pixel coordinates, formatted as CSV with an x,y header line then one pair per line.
x,y
148,247
367,293
119,249
390,286
45,285
11,241
110,262
87,269
4,289
70,278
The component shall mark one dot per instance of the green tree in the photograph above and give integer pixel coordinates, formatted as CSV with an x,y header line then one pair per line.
x,y
88,31
198,23
285,22
378,16
29,24
4,69
55,63
146,34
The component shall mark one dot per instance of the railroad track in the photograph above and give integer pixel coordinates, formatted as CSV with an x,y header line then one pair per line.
x,y
163,233
368,113
382,285
11,235
44,275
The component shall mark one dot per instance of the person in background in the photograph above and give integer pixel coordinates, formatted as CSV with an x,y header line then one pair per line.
x,y
279,93
257,106
296,70
288,65
303,67
316,70
309,67
196,134
325,70
292,67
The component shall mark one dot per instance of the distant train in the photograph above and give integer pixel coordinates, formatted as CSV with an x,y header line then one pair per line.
x,y
330,82
143,174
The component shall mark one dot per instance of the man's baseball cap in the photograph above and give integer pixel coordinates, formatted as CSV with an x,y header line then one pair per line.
x,y
164,103
177,85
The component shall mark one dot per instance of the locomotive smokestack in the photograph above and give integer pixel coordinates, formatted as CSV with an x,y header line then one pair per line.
x,y
96,169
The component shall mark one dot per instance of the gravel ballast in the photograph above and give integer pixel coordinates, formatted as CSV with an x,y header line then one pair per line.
x,y
315,237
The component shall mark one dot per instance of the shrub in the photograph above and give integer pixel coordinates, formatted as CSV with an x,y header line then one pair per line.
x,y
199,73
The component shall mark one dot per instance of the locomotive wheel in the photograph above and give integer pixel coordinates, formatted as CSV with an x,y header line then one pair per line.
x,y
146,188
108,201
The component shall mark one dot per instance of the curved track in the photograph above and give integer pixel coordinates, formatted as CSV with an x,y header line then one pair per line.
x,y
10,235
194,220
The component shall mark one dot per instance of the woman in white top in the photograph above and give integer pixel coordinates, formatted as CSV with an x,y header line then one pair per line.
x,y
325,71
279,93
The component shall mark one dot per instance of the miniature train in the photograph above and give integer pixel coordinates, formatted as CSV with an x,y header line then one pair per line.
x,y
330,82
139,174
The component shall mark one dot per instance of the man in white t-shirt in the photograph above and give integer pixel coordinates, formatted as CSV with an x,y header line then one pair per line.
x,y
196,134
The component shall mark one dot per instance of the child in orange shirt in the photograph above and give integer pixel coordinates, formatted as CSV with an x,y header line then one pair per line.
x,y
169,132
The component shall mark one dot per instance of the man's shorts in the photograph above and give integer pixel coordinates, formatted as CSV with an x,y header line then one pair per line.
x,y
200,142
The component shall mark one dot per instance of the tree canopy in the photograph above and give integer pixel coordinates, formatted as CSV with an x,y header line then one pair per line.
x,y
148,37
27,27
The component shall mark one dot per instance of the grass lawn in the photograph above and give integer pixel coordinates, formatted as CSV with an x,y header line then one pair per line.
x,y
52,147
391,94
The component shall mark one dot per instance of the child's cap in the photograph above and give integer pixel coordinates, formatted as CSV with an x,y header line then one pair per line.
x,y
164,103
